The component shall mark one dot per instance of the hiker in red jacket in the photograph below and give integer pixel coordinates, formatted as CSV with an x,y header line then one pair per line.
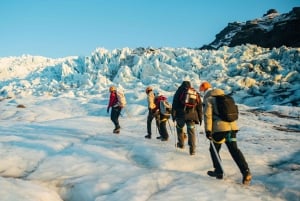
x,y
116,108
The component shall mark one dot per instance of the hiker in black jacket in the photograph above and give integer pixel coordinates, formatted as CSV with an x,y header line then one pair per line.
x,y
188,116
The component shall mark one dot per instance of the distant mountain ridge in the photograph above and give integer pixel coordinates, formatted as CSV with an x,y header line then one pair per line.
x,y
272,30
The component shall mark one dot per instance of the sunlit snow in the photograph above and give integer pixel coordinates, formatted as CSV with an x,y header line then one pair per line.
x,y
61,145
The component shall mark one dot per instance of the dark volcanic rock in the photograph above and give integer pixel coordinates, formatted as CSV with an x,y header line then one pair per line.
x,y
272,30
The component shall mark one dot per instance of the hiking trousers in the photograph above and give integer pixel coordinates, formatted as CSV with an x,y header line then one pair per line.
x,y
163,128
190,126
236,154
114,116
151,116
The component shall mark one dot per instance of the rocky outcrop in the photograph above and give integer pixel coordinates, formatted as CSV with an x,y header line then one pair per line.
x,y
272,30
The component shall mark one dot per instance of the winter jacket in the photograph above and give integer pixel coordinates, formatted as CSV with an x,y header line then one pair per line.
x,y
113,100
178,108
150,99
212,122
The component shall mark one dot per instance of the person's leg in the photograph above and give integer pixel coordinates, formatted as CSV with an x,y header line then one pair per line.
x,y
149,124
163,129
238,156
215,161
180,134
115,113
157,122
218,139
191,136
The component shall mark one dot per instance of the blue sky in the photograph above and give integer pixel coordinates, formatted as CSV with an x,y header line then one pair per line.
x,y
59,28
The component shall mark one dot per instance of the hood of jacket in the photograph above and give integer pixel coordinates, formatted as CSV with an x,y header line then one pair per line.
x,y
186,84
215,92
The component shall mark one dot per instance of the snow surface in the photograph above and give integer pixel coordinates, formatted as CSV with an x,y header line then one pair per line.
x,y
60,145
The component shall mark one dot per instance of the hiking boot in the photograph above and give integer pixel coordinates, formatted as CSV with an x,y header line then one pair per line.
x,y
179,145
192,151
247,178
148,136
159,137
214,174
116,130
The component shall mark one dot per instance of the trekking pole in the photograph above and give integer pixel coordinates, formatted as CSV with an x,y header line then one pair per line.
x,y
126,111
157,123
198,137
217,155
173,133
170,126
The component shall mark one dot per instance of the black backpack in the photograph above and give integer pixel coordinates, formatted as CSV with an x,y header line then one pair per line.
x,y
228,110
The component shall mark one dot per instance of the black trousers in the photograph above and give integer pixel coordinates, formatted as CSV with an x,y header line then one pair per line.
x,y
114,116
151,116
236,154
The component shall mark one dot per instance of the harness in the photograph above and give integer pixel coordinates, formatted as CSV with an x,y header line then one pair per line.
x,y
227,138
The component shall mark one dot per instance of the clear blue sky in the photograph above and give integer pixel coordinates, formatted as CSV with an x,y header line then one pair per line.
x,y
59,28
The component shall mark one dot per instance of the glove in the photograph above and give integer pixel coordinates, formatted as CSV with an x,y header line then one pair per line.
x,y
208,135
107,110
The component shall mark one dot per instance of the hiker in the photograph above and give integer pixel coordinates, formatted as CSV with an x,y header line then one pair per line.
x,y
186,113
219,131
164,113
153,112
117,104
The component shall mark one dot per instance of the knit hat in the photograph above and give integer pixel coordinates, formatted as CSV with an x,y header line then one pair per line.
x,y
204,86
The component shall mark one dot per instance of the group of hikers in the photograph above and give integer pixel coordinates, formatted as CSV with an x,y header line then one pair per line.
x,y
187,110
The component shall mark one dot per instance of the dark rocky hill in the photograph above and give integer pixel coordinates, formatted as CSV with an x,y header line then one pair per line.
x,y
271,30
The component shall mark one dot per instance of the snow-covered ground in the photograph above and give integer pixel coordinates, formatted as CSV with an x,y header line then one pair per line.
x,y
60,146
